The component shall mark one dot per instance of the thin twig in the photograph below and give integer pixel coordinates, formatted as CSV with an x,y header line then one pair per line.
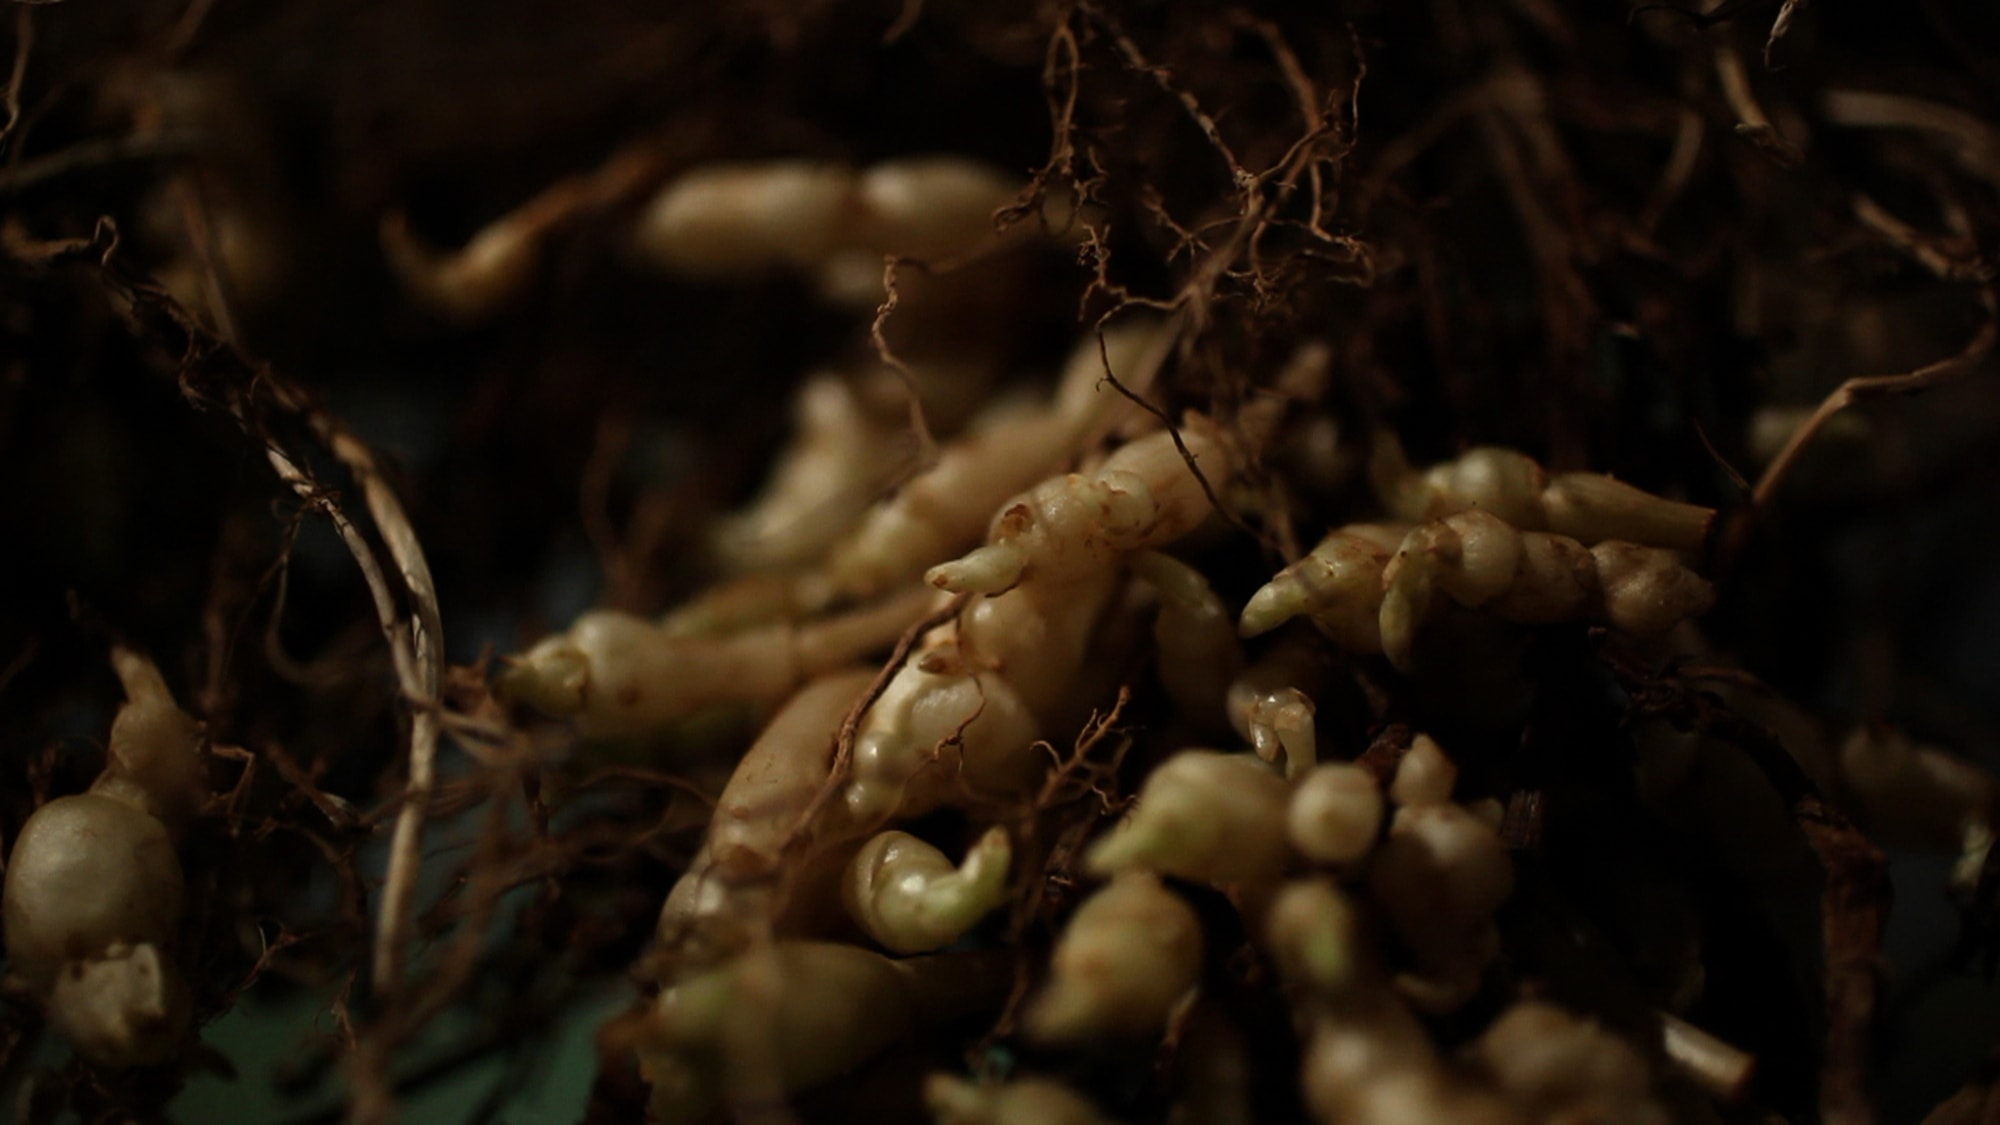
x,y
1974,143
1751,122
927,447
1861,388
1781,25
1164,79
24,41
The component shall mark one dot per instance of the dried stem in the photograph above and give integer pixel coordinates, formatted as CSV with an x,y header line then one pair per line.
x,y
1751,123
1859,389
24,42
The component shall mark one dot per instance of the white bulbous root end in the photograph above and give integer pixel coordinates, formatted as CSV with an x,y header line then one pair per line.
x,y
128,1007
551,677
1335,815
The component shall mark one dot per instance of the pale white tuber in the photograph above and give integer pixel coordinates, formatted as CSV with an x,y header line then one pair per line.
x,y
93,887
909,897
617,675
1335,814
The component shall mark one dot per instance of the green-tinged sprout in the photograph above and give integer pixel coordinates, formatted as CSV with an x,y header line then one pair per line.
x,y
1335,814
1128,957
909,897
1143,496
1314,932
1204,815
1023,1101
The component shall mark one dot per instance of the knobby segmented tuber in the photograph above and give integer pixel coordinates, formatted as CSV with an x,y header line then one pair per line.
x,y
1033,547
1371,600
1510,486
93,888
729,220
616,674
960,718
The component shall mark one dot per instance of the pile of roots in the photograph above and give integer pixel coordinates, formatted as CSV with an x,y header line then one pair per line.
x,y
1082,561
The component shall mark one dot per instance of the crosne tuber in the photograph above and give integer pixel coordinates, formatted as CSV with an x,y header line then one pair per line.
x,y
93,889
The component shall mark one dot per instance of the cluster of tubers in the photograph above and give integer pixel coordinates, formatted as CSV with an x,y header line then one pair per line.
x,y
820,922
847,891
